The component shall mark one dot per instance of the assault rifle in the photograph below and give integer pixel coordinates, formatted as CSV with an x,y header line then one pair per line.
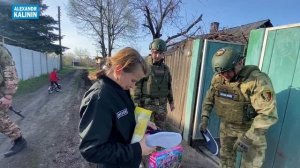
x,y
16,112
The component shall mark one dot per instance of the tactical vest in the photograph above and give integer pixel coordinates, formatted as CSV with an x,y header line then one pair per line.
x,y
156,84
1,82
230,103
1,73
1,76
6,59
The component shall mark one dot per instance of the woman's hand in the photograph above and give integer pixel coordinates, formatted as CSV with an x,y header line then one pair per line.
x,y
152,125
146,150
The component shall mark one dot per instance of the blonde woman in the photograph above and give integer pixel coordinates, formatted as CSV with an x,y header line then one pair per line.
x,y
107,114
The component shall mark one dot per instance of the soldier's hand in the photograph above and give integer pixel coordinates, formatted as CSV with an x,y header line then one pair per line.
x,y
139,102
172,106
204,123
5,102
242,144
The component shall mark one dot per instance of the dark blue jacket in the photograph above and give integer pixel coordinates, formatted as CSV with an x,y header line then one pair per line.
x,y
106,126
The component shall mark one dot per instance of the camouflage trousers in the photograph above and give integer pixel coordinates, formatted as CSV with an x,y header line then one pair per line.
x,y
8,127
159,117
159,114
253,158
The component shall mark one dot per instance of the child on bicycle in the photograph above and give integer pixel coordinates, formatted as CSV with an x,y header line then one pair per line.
x,y
53,77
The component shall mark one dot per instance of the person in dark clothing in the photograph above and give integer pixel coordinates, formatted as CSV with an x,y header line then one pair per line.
x,y
107,114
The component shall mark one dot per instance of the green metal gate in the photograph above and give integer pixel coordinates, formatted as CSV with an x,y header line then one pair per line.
x,y
276,51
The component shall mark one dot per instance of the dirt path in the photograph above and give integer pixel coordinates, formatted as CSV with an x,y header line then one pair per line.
x,y
50,127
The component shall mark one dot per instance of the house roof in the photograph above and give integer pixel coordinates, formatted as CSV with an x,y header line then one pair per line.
x,y
237,34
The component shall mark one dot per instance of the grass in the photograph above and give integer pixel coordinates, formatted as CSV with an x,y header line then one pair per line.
x,y
65,70
92,70
32,84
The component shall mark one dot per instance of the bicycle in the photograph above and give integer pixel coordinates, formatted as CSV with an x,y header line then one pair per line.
x,y
53,88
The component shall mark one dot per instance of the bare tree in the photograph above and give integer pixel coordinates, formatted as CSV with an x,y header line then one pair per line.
x,y
160,14
81,52
106,20
68,58
83,56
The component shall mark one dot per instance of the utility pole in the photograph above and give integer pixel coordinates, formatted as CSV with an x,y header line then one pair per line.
x,y
59,30
2,42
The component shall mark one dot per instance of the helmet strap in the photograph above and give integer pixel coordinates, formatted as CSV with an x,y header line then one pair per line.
x,y
158,62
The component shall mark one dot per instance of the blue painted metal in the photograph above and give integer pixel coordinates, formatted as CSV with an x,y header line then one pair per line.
x,y
238,160
255,46
192,88
281,61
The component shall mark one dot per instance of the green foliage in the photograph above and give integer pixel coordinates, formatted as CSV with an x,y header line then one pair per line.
x,y
65,70
30,85
87,62
32,34
92,70
68,58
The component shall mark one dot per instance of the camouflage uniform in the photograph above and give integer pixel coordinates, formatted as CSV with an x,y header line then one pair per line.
x,y
8,86
246,106
154,91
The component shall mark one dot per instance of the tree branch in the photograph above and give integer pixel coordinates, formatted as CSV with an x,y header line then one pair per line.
x,y
148,17
186,30
168,9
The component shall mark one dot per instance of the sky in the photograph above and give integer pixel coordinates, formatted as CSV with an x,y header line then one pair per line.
x,y
229,13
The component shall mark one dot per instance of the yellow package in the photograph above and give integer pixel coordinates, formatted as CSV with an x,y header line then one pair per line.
x,y
142,116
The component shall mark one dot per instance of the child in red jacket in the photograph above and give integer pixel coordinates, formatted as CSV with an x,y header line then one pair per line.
x,y
53,77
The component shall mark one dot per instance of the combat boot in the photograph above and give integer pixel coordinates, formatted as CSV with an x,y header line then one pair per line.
x,y
18,145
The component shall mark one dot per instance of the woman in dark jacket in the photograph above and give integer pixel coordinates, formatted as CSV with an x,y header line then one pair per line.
x,y
107,114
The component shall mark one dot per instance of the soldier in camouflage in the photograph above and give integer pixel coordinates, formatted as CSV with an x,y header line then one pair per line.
x,y
245,102
154,91
8,86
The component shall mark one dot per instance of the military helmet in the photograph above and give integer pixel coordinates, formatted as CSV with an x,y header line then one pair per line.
x,y
158,44
225,59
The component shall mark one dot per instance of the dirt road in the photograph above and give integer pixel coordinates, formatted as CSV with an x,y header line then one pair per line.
x,y
50,127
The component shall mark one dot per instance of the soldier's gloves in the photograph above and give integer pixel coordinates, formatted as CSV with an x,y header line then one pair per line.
x,y
242,144
139,102
204,123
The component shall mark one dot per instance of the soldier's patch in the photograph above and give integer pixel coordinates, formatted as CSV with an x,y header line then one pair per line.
x,y
220,51
226,95
267,95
